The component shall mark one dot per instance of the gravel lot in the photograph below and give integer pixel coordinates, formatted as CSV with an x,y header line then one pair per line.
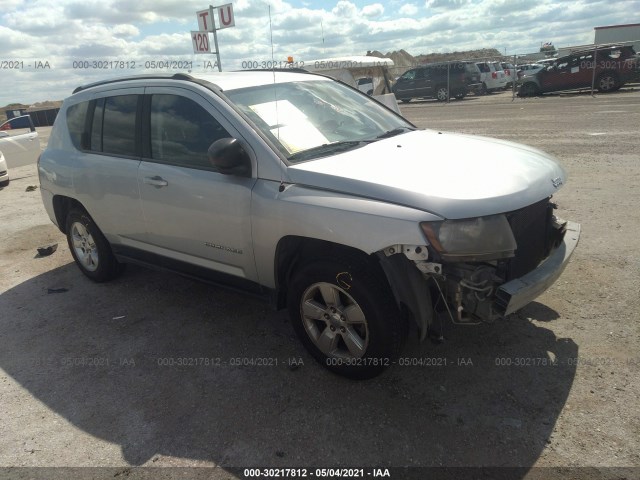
x,y
142,371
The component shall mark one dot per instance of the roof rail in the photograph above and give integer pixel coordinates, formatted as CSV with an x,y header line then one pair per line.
x,y
175,76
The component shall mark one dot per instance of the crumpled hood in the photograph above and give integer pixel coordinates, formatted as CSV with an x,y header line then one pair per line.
x,y
449,174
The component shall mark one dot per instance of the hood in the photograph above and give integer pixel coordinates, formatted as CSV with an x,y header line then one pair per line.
x,y
450,175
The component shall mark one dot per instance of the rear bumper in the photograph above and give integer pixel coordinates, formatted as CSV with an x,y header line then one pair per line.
x,y
517,293
475,87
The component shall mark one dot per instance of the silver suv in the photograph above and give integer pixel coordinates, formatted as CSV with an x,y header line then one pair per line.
x,y
299,188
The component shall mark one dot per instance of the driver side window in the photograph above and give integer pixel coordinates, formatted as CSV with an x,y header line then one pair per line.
x,y
410,75
182,131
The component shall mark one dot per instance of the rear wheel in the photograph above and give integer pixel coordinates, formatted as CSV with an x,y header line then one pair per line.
x,y
345,316
405,100
607,82
90,249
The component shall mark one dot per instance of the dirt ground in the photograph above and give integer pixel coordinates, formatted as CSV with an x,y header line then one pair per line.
x,y
144,371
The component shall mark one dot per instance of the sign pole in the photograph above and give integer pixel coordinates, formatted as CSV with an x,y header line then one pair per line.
x,y
215,37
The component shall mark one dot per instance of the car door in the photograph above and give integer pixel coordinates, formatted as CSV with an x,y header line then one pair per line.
x,y
557,76
196,218
19,141
105,131
423,83
405,86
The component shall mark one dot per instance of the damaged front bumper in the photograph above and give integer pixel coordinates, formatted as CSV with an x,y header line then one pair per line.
x,y
517,293
471,293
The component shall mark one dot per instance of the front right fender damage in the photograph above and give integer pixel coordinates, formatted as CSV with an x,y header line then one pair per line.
x,y
409,286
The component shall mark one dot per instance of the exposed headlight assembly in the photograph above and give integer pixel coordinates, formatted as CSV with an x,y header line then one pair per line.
x,y
473,239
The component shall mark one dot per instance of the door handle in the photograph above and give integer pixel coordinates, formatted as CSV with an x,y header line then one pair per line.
x,y
156,181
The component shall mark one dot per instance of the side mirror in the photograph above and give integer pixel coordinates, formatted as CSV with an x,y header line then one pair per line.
x,y
228,157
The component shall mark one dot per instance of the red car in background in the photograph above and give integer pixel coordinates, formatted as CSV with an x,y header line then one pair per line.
x,y
614,66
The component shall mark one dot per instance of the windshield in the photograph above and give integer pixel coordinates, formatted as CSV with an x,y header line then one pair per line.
x,y
302,118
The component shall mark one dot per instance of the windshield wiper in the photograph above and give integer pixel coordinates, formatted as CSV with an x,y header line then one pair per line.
x,y
326,148
395,131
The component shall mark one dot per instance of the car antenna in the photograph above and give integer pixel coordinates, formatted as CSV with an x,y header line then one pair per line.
x,y
275,93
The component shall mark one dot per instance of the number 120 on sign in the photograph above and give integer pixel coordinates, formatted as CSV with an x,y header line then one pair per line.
x,y
200,42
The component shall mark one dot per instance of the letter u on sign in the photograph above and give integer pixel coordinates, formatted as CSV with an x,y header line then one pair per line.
x,y
225,16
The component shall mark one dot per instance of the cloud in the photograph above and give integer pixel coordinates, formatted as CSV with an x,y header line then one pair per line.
x,y
446,4
373,10
67,31
408,9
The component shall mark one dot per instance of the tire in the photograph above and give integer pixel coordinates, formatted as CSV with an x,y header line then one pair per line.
x,y
4,184
442,94
460,96
344,314
90,249
607,82
405,100
528,90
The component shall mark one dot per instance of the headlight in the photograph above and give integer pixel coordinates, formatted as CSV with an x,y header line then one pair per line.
x,y
474,239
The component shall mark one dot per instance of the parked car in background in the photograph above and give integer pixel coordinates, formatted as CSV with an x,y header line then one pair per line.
x,y
529,69
492,77
438,80
19,141
4,171
509,73
365,85
310,193
612,67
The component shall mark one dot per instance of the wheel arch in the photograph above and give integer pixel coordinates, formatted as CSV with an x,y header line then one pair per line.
x,y
406,284
62,205
293,250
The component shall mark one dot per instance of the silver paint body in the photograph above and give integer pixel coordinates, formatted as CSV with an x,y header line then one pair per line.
x,y
368,198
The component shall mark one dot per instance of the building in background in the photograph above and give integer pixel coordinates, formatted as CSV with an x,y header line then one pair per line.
x,y
629,33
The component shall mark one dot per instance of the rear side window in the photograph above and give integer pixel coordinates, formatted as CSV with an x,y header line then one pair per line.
x,y
119,125
182,131
76,115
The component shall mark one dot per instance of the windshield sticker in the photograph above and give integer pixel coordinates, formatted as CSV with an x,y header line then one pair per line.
x,y
290,125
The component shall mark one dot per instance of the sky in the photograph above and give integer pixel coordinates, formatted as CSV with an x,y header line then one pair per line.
x,y
50,47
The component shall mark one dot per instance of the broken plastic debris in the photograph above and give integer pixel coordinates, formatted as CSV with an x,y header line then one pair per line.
x,y
47,249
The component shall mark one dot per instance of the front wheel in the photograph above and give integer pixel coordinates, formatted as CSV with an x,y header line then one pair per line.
x,y
90,249
345,316
528,90
442,94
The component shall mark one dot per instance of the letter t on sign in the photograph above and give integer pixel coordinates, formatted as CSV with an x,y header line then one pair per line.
x,y
205,22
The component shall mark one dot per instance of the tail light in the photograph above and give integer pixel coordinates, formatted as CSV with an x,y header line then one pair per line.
x,y
494,75
507,72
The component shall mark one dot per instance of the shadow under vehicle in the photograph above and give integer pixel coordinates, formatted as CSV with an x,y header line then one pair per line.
x,y
130,371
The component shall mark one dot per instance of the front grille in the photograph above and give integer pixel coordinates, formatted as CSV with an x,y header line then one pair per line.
x,y
530,227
